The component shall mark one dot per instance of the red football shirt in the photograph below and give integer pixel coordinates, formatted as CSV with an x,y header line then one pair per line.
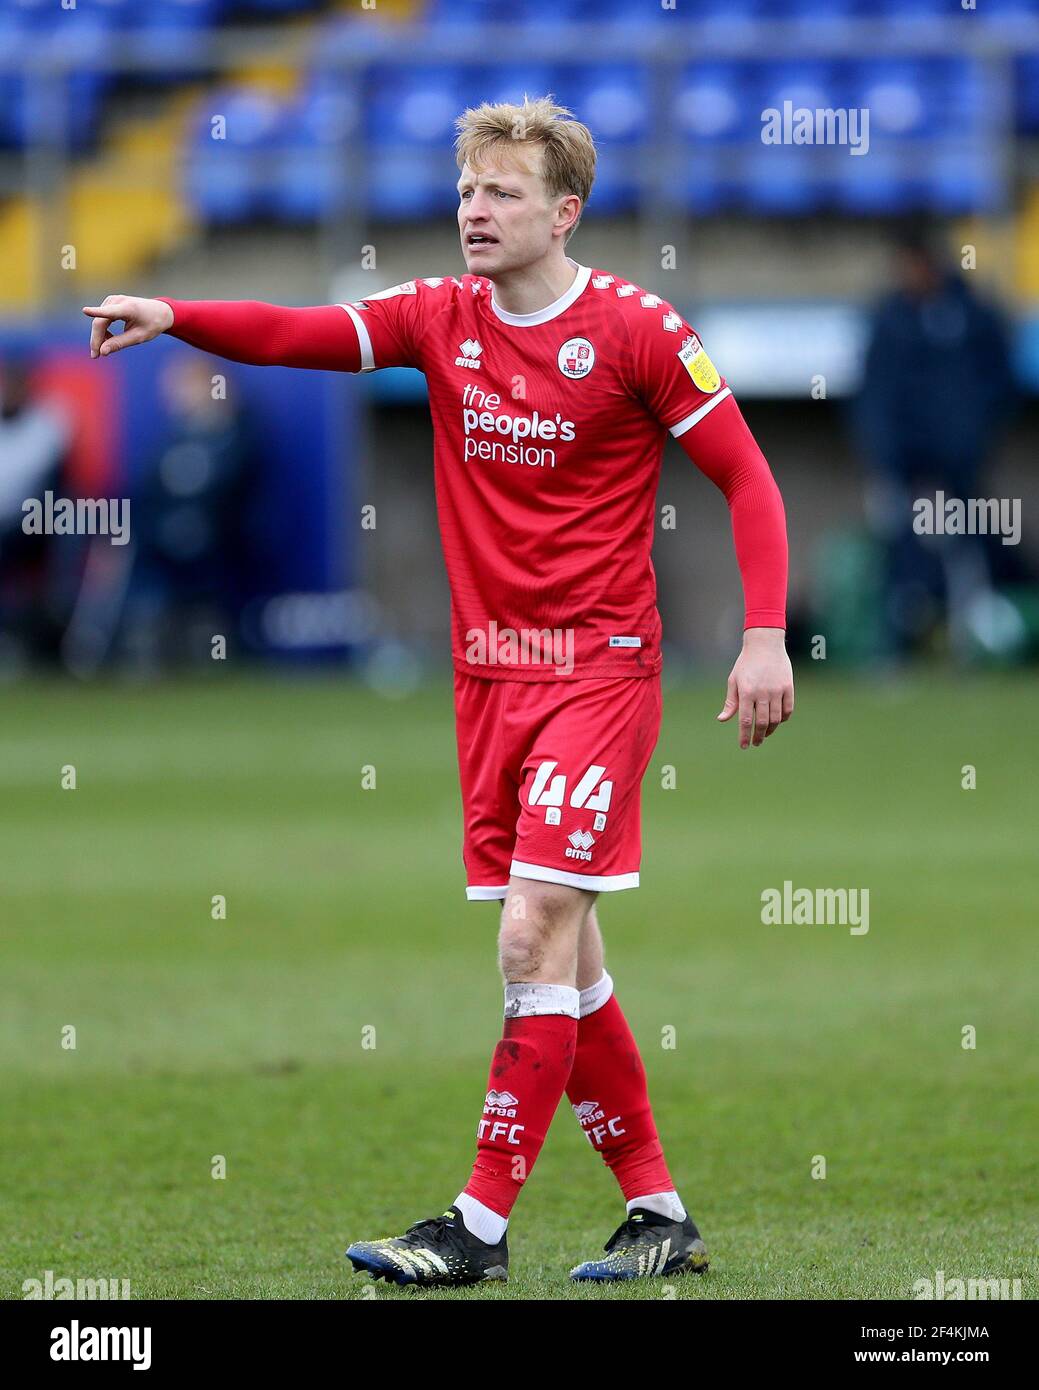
x,y
549,431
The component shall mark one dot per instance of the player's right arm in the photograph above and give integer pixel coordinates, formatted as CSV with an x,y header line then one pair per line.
x,y
384,330
242,330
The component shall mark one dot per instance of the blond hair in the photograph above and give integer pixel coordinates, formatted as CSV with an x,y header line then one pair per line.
x,y
490,132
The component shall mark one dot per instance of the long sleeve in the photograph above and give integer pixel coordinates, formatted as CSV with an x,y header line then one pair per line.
x,y
247,330
722,446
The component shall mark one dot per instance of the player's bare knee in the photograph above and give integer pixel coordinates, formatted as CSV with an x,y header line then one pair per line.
x,y
521,953
524,942
533,921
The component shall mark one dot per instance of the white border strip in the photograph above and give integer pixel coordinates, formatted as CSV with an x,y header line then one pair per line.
x,y
607,883
690,420
481,894
365,343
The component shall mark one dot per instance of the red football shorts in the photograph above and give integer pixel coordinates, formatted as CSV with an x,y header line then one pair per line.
x,y
551,773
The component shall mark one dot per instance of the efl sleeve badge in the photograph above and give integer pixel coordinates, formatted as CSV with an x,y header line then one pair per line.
x,y
699,366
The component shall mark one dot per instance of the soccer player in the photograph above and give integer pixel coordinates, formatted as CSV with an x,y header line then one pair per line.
x,y
552,388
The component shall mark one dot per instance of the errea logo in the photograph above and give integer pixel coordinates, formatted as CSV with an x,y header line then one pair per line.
x,y
590,1113
500,1103
470,351
580,846
588,1110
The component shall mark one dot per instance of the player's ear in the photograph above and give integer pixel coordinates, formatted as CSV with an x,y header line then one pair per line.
x,y
569,212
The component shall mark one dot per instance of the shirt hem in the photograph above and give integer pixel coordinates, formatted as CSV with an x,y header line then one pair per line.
x,y
532,674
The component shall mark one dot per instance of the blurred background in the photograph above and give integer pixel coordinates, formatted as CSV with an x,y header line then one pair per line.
x,y
876,312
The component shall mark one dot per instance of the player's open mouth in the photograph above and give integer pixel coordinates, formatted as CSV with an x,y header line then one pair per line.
x,y
475,239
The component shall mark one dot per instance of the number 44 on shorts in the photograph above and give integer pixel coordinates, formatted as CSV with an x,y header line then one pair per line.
x,y
590,794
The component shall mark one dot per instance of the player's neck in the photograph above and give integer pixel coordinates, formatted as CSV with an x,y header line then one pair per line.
x,y
535,287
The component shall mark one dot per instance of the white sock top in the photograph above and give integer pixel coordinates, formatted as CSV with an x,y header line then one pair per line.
x,y
526,1000
595,996
485,1224
663,1203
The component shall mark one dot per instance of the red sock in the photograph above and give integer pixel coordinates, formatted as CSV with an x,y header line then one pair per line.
x,y
528,1073
607,1088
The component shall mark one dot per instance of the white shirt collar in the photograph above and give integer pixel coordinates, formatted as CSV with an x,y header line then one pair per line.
x,y
552,310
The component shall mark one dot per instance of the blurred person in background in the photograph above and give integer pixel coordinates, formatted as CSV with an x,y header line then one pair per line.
x,y
187,523
937,392
34,441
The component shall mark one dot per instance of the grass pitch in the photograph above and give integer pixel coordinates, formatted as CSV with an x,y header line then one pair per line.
x,y
346,924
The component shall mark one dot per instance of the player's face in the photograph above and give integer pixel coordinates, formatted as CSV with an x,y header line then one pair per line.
x,y
505,217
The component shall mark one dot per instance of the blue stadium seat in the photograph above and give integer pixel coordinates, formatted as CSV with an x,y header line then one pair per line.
x,y
409,114
469,14
895,91
411,104
901,14
120,12
960,99
1026,76
814,13
633,19
784,180
717,117
880,184
141,12
724,14
171,32
964,179
357,36
613,100
706,181
509,82
803,82
715,103
1008,14
312,172
27,113
410,184
11,33
229,180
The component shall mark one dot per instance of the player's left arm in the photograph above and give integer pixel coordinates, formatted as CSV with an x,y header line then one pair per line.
x,y
761,683
679,384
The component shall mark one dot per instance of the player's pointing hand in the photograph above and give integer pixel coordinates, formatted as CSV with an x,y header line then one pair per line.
x,y
143,319
761,686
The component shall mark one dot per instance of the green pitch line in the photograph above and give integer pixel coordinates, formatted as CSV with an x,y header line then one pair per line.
x,y
243,1037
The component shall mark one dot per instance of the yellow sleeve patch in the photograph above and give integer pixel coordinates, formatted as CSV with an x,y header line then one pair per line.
x,y
699,366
